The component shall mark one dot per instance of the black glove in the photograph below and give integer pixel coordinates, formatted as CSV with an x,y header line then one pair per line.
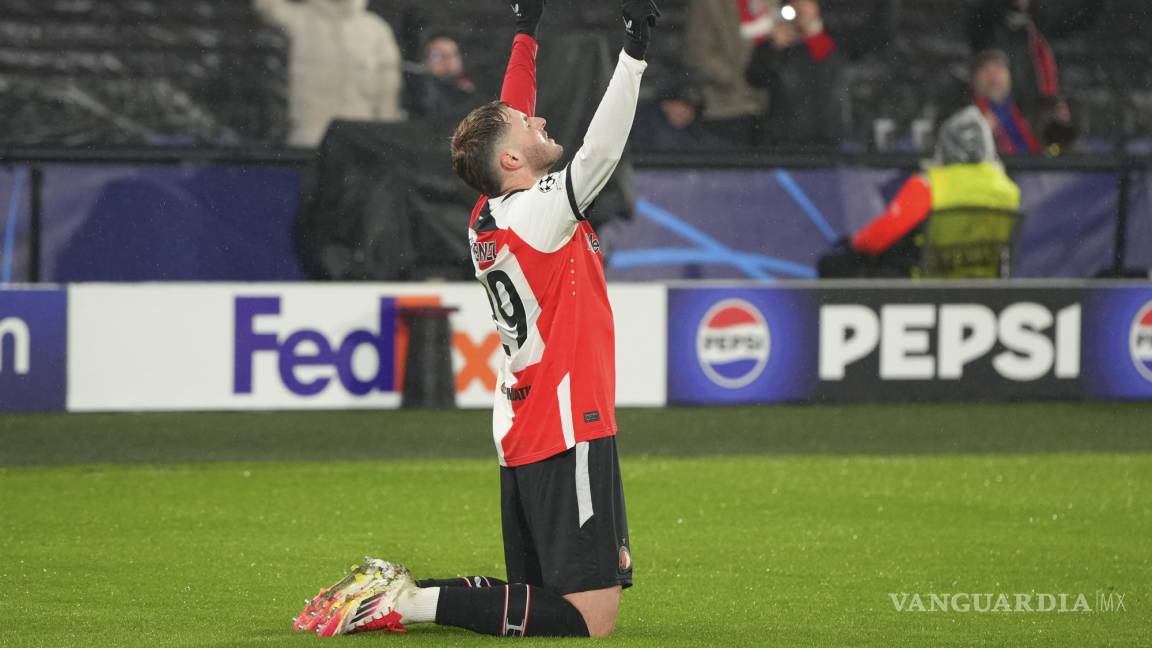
x,y
843,245
639,19
528,13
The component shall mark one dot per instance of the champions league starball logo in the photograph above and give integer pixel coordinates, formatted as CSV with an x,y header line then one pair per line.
x,y
547,183
733,343
1140,341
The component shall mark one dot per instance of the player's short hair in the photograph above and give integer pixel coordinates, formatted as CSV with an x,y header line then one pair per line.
x,y
474,148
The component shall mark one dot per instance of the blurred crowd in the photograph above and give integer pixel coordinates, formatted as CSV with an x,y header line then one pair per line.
x,y
754,73
779,75
767,75
346,63
770,72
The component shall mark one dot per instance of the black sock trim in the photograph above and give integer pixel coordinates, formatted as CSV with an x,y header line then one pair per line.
x,y
515,610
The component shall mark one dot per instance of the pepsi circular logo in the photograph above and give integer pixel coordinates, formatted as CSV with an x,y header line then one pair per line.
x,y
733,343
1140,341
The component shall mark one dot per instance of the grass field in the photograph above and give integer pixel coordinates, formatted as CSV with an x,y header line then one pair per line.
x,y
782,526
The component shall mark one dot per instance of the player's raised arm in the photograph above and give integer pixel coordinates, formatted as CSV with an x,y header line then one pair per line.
x,y
519,89
608,133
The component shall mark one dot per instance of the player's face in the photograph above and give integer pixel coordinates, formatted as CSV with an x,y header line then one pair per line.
x,y
527,135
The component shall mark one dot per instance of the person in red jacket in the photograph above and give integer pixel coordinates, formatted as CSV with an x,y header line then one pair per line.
x,y
965,172
964,146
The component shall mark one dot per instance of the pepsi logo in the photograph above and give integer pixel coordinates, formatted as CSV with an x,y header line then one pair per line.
x,y
733,343
1140,341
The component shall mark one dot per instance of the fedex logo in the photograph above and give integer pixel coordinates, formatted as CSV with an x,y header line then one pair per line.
x,y
308,361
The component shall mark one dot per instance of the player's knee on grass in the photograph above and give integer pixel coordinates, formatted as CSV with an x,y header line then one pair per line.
x,y
599,609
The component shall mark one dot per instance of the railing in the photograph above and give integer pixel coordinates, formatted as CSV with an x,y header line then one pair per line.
x,y
1125,167
733,159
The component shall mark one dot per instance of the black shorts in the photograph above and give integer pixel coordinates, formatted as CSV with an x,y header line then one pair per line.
x,y
565,527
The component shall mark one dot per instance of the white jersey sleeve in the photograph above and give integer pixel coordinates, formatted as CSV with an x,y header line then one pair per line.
x,y
607,133
545,216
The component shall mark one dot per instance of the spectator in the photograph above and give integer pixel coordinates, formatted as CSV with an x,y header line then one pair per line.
x,y
441,84
800,67
345,64
718,45
992,93
1021,29
672,122
965,172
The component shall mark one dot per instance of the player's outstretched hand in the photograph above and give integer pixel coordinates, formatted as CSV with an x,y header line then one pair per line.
x,y
639,19
528,13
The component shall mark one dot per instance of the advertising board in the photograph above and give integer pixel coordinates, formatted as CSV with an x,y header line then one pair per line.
x,y
875,343
305,346
33,350
1118,343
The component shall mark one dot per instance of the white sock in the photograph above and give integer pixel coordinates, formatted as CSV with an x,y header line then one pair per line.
x,y
419,605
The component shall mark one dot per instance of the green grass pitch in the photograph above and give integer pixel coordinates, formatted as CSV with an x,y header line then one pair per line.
x,y
784,526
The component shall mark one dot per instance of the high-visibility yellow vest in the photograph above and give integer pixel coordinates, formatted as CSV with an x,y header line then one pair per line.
x,y
972,222
973,185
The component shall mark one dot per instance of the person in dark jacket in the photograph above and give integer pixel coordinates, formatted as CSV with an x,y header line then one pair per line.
x,y
801,68
442,84
1022,30
672,121
992,92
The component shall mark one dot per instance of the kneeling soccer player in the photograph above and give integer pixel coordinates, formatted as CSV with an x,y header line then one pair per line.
x,y
539,260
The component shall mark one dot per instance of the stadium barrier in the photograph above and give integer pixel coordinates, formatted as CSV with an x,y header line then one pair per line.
x,y
227,214
855,341
304,346
117,347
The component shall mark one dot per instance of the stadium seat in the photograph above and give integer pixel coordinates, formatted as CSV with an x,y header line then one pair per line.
x,y
140,72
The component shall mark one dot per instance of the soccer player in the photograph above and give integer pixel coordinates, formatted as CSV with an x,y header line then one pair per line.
x,y
565,530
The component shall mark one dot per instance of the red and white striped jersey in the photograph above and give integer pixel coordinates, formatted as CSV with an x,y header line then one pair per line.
x,y
540,262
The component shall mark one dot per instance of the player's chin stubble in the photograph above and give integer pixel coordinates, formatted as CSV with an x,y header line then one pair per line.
x,y
544,155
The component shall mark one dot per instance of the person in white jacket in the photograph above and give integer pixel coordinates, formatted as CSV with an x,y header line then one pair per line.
x,y
345,64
